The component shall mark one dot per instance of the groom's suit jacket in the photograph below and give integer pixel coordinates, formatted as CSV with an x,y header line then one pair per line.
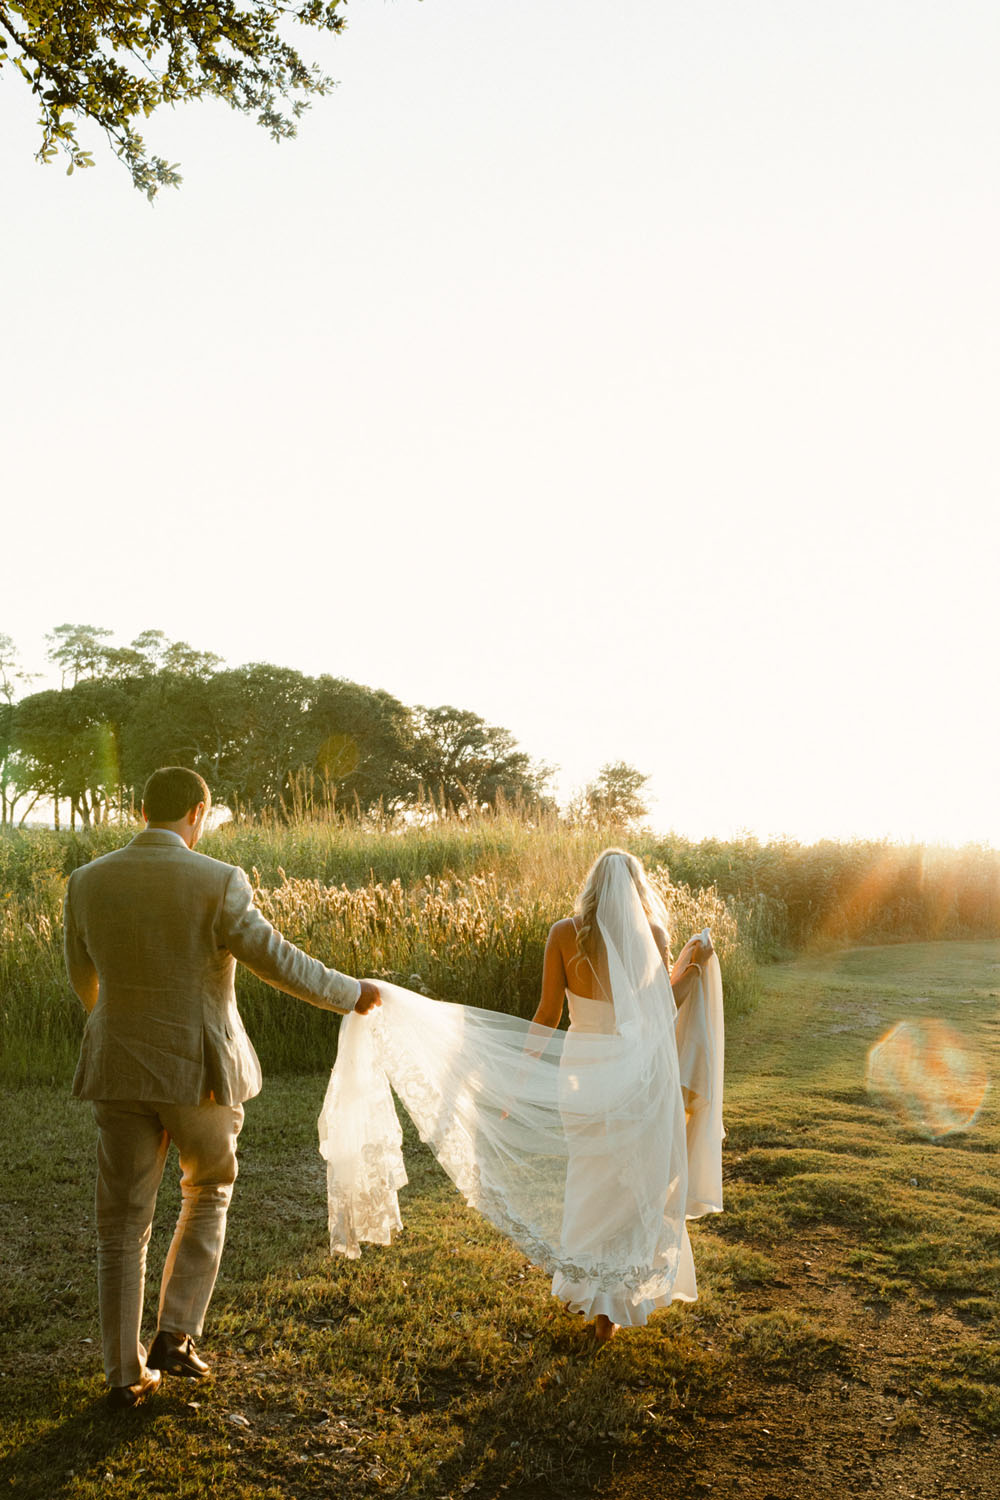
x,y
153,933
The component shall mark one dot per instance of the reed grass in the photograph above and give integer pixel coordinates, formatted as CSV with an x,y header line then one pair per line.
x,y
459,907
802,895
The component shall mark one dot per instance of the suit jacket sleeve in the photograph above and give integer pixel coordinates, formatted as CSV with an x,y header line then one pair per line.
x,y
79,964
252,941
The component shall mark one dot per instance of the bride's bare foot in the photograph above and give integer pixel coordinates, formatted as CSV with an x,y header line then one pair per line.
x,y
604,1329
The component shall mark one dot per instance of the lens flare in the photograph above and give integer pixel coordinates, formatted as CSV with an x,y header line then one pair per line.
x,y
929,1075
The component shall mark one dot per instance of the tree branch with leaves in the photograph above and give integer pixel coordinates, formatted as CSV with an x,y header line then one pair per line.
x,y
114,64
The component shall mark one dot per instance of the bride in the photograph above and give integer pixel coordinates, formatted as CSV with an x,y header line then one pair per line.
x,y
589,1147
601,1207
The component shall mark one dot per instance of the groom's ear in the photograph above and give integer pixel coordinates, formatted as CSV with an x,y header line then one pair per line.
x,y
142,811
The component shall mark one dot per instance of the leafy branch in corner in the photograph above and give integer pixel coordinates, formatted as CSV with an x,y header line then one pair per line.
x,y
114,63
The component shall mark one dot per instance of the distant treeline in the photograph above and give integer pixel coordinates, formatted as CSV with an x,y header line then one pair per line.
x,y
266,738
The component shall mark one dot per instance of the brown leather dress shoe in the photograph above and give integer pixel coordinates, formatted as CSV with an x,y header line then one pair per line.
x,y
122,1397
174,1353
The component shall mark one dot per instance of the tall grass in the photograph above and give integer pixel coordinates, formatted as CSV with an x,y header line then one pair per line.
x,y
479,941
802,895
860,891
460,907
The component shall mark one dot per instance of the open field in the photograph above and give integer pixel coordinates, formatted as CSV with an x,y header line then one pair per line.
x,y
847,1339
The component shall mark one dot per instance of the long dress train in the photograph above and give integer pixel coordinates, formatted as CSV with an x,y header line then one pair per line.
x,y
588,1148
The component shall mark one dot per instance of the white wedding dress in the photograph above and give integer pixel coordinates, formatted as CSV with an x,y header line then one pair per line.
x,y
589,1148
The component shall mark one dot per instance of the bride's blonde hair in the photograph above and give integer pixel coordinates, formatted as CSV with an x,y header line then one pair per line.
x,y
590,895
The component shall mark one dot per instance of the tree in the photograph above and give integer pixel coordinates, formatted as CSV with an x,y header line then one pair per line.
x,y
151,653
174,720
15,783
11,670
268,737
615,796
185,661
361,745
12,773
78,651
264,710
115,63
246,730
465,762
68,739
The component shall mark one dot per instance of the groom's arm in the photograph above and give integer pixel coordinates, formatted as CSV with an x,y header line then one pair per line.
x,y
79,964
251,939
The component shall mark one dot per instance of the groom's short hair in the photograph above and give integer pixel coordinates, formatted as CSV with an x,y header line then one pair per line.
x,y
171,792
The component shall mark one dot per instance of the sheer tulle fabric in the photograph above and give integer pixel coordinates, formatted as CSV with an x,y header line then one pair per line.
x,y
573,1143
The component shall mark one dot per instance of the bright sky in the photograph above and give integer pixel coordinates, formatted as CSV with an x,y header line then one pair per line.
x,y
627,374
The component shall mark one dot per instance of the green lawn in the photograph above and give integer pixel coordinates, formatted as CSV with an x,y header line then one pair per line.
x,y
442,1367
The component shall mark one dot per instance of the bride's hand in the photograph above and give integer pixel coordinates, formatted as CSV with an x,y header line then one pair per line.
x,y
692,955
698,948
368,998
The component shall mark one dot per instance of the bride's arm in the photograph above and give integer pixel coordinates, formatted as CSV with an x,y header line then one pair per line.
x,y
689,955
550,1006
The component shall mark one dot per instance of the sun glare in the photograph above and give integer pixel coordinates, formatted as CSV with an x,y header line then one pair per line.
x,y
929,1075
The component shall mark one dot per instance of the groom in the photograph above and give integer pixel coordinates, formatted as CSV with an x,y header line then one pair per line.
x,y
153,933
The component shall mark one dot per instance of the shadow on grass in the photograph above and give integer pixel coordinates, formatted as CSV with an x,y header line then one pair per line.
x,y
575,1413
48,1464
517,1439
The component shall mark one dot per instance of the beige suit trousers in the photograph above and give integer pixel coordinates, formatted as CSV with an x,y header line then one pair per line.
x,y
133,1136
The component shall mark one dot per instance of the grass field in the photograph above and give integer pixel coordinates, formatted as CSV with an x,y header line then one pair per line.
x,y
846,1341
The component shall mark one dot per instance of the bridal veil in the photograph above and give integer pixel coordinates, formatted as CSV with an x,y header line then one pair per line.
x,y
588,1150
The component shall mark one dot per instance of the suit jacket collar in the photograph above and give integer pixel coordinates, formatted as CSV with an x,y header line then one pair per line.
x,y
161,838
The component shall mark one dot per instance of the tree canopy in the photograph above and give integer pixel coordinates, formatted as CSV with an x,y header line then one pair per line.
x,y
68,742
13,783
616,795
469,763
115,63
266,738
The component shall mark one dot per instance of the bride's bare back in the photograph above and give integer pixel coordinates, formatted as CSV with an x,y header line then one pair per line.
x,y
565,968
